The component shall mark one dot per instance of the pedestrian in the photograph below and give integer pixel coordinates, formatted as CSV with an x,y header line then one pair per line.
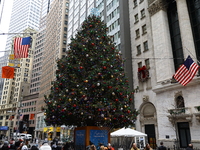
x,y
162,147
148,147
5,146
66,146
59,146
110,147
45,146
53,146
18,143
190,147
90,144
34,147
24,146
134,147
93,147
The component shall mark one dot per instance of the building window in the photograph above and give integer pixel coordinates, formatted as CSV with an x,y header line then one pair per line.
x,y
64,42
145,44
65,35
135,3
137,33
140,65
141,1
136,18
180,102
144,29
138,50
142,13
147,63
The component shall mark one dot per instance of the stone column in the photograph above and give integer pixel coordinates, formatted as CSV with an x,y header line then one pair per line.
x,y
164,66
185,29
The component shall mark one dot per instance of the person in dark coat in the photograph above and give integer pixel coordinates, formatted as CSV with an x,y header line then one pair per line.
x,y
190,147
5,146
162,147
34,147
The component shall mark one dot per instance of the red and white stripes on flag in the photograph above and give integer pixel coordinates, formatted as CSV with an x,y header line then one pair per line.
x,y
21,46
186,72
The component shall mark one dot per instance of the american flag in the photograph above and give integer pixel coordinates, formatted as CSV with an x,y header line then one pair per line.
x,y
186,72
21,46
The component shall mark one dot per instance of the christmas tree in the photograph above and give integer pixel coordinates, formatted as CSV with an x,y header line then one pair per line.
x,y
91,87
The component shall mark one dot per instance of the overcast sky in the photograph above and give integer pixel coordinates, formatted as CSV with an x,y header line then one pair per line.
x,y
4,22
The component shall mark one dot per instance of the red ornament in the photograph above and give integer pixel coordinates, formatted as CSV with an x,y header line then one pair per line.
x,y
128,111
104,67
109,87
74,105
90,25
81,67
93,44
130,99
116,100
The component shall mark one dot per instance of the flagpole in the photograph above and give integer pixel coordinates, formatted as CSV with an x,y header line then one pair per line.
x,y
192,54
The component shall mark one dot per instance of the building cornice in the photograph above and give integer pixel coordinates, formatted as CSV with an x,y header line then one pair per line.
x,y
155,6
174,86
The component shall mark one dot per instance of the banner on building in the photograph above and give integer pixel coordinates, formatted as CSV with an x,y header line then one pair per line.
x,y
8,72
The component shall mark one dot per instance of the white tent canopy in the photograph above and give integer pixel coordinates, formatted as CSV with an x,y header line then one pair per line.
x,y
126,137
127,132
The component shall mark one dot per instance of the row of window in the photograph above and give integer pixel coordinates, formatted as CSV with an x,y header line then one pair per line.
x,y
28,109
111,4
113,25
135,2
145,48
29,103
142,13
35,84
147,64
34,90
144,31
113,14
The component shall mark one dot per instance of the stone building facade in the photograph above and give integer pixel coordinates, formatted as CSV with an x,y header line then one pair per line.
x,y
163,34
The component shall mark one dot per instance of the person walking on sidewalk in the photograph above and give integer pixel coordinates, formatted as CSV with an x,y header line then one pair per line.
x,y
45,146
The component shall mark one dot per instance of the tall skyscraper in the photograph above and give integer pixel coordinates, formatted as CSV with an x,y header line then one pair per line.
x,y
25,13
24,22
51,46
